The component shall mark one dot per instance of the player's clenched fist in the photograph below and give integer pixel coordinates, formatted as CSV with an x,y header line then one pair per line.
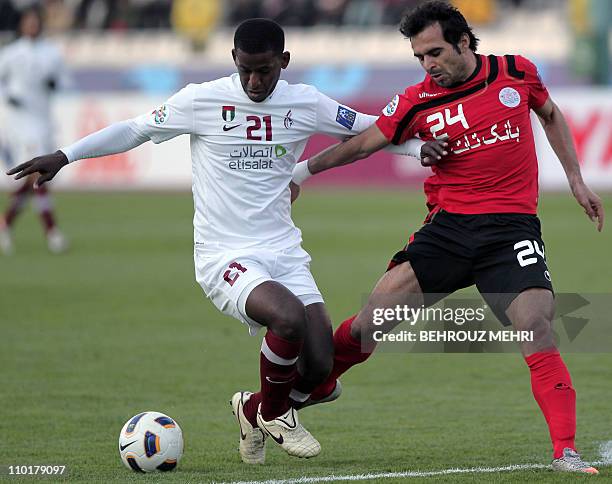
x,y
46,165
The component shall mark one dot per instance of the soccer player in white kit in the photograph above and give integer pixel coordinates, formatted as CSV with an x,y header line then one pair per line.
x,y
247,133
31,70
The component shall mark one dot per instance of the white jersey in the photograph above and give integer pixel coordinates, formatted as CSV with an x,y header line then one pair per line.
x,y
26,67
243,154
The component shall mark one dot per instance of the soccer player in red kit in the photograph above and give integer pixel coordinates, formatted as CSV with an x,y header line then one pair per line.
x,y
482,226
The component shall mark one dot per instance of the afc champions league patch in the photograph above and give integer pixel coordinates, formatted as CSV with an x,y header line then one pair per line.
x,y
391,107
509,97
161,114
346,117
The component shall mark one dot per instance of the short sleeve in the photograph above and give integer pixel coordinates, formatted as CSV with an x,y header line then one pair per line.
x,y
171,119
395,120
538,94
338,120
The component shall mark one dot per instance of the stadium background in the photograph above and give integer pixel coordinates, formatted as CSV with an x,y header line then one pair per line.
x,y
118,325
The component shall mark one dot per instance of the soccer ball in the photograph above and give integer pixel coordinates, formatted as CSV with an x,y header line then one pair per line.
x,y
151,441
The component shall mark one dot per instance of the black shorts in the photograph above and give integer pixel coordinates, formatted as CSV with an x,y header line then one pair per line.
x,y
503,254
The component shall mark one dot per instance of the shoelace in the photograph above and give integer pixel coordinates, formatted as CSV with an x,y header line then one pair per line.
x,y
574,460
299,432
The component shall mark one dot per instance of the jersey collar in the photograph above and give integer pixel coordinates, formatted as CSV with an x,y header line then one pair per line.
x,y
236,80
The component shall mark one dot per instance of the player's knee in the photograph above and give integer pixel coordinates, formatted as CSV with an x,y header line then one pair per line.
x,y
289,321
319,368
539,325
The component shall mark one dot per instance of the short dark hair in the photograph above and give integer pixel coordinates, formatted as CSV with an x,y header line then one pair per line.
x,y
257,35
451,21
35,9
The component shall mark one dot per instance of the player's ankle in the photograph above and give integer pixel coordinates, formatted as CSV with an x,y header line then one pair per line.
x,y
561,445
271,411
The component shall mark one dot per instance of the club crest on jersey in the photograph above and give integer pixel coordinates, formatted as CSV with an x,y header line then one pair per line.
x,y
392,106
509,97
346,117
288,121
228,113
161,114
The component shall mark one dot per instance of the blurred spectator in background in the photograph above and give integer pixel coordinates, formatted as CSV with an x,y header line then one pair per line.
x,y
59,17
477,11
31,70
393,9
298,13
152,14
9,16
330,11
238,10
95,14
120,14
364,13
196,19
157,14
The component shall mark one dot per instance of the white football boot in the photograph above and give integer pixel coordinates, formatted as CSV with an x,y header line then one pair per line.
x,y
571,461
56,241
287,432
336,392
6,240
252,440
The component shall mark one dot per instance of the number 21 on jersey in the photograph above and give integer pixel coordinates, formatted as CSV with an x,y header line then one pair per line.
x,y
254,127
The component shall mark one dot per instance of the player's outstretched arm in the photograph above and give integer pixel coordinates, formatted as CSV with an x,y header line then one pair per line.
x,y
560,138
116,138
362,146
356,148
172,119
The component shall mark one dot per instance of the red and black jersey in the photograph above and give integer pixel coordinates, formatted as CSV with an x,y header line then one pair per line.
x,y
491,166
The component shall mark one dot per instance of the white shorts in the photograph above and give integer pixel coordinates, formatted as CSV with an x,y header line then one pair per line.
x,y
228,278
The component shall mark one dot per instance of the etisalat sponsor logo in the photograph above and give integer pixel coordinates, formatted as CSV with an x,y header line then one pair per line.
x,y
253,157
457,315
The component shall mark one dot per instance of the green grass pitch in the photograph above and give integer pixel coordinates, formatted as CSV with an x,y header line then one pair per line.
x,y
118,325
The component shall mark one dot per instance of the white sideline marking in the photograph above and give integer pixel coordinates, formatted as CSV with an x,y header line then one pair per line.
x,y
407,474
605,449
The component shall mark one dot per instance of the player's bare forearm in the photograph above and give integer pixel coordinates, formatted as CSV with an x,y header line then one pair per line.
x,y
560,138
357,148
